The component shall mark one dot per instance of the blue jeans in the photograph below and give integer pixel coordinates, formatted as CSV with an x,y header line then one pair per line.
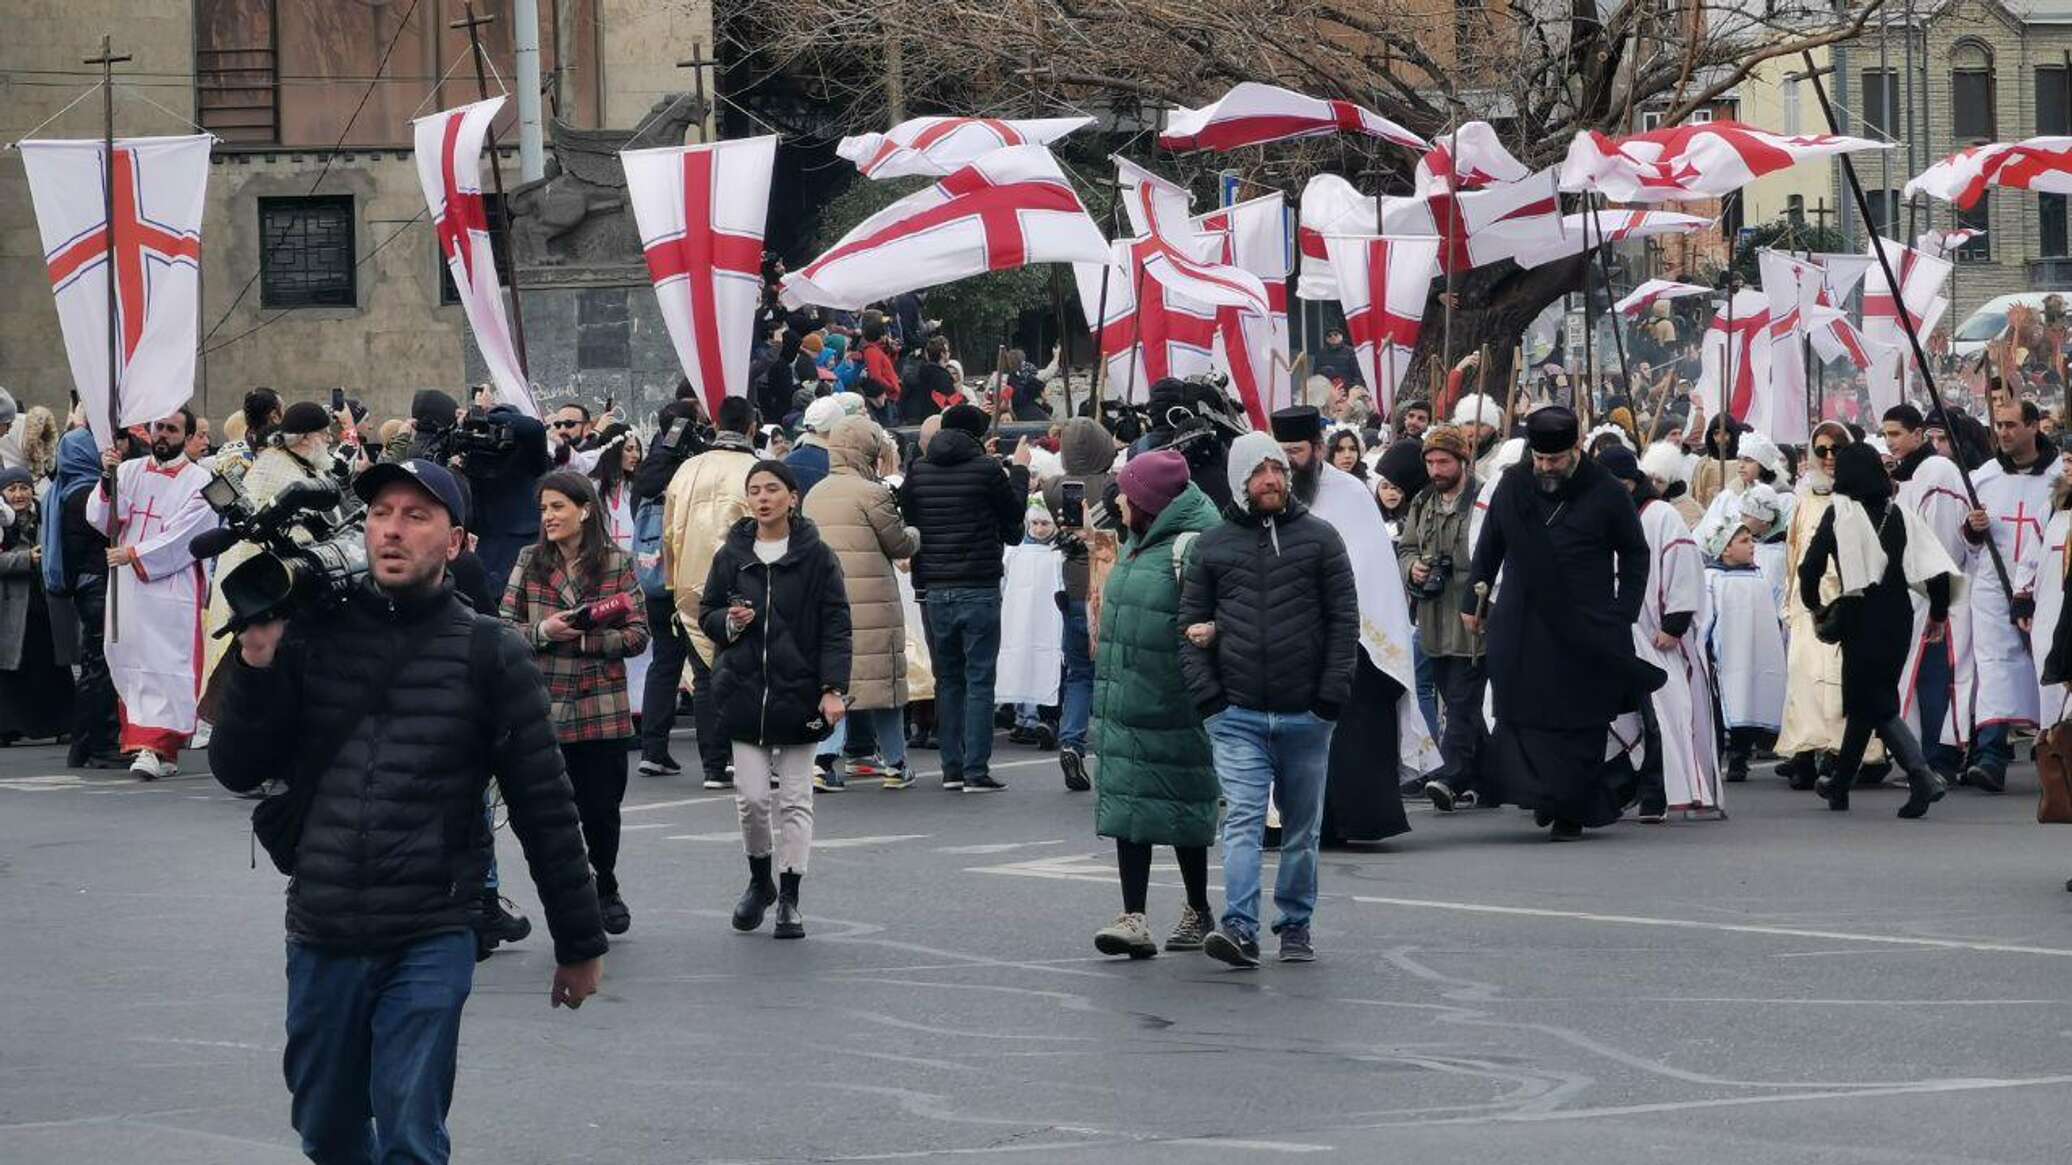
x,y
1427,690
964,645
1932,692
889,726
372,1040
1991,751
1287,754
1078,693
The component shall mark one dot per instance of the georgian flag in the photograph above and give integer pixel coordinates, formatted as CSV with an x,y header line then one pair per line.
x,y
1170,336
1253,114
1469,158
1383,282
1329,205
1608,226
1484,226
1706,160
701,212
1648,294
2040,164
1253,349
1780,412
1921,279
1734,358
936,147
1011,208
1944,244
1820,315
449,167
158,186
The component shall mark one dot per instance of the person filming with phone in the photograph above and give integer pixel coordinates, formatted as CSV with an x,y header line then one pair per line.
x,y
777,611
389,712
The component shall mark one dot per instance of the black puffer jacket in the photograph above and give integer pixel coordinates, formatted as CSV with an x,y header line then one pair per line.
x,y
393,849
966,509
769,680
1281,594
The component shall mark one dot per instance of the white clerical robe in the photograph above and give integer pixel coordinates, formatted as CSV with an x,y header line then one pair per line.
x,y
1813,718
1744,641
155,613
1032,629
2002,688
1385,631
1683,705
2050,607
1935,493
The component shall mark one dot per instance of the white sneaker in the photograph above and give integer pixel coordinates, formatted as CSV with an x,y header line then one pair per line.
x,y
148,767
1127,935
203,730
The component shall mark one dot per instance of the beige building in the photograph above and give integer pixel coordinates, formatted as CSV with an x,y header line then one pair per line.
x,y
319,269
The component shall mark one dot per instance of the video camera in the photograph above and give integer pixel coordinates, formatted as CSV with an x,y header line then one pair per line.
x,y
309,556
479,442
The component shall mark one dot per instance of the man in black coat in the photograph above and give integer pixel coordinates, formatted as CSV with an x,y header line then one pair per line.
x,y
1271,619
389,714
1561,662
968,509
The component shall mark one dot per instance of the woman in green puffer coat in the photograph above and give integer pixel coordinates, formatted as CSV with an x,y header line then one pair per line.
x,y
1157,777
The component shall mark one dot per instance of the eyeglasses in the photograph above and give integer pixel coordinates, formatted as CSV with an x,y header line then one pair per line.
x,y
1823,451
568,424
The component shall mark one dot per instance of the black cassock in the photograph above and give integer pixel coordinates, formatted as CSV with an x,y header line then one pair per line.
x,y
1363,799
1560,636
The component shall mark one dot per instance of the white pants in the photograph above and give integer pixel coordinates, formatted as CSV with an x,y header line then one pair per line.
x,y
753,765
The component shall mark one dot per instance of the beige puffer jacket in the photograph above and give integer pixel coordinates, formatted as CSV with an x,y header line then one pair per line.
x,y
859,519
706,497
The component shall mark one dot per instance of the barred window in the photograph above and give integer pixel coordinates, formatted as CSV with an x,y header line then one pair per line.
x,y
306,252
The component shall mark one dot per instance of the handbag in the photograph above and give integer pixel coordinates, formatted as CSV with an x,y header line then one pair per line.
x,y
2054,773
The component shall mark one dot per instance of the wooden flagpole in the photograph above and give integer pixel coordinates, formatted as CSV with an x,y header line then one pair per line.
x,y
473,24
107,61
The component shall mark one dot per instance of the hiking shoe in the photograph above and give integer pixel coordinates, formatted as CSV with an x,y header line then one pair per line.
x,y
898,777
1127,935
1565,831
1020,735
952,782
1977,776
1074,763
1226,946
1440,794
719,780
617,919
1194,926
665,767
1044,737
1295,947
828,781
983,783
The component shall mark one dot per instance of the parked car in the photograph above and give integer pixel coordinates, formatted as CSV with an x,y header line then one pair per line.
x,y
1990,320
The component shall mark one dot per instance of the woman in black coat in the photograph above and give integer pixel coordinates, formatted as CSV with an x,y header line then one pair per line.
x,y
1877,629
775,606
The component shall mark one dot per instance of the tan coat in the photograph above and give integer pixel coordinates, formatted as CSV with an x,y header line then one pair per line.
x,y
706,497
859,519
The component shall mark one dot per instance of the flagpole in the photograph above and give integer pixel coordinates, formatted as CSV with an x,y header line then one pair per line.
x,y
107,61
1136,332
1057,305
473,23
1728,374
1589,386
1604,268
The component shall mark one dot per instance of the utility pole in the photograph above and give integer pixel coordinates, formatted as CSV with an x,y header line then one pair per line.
x,y
473,24
107,61
525,74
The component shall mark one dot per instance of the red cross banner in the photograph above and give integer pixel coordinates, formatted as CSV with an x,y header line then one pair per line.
x,y
1170,336
2040,164
1921,279
1011,208
1173,250
1654,291
1469,158
1498,222
701,211
449,167
1253,236
1329,205
936,147
1820,314
1609,226
1252,114
158,186
1383,284
1703,160
1734,359
1945,243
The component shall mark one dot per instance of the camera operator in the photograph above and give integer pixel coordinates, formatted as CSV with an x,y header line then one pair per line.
x,y
1434,552
432,414
502,452
1180,419
390,712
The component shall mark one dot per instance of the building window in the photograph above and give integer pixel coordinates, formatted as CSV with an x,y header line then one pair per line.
x,y
1880,103
2053,102
499,240
2050,222
1971,94
1884,210
1978,218
1791,107
306,252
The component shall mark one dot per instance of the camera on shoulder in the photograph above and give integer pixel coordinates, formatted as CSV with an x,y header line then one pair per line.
x,y
309,557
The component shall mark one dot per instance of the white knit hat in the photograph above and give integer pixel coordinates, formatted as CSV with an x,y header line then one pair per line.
x,y
823,414
1477,409
1760,502
1619,431
1663,462
1758,448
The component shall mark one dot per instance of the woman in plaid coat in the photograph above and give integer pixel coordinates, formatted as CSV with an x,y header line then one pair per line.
x,y
574,598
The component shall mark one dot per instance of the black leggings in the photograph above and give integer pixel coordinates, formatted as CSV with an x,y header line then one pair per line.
x,y
1899,741
597,769
1133,860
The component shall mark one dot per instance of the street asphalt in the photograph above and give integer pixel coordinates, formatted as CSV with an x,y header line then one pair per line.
x,y
1789,985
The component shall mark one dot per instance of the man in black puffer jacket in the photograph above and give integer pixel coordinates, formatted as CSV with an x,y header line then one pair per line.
x,y
1271,620
392,847
968,510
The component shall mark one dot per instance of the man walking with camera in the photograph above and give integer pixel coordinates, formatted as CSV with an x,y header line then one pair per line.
x,y
1435,552
389,713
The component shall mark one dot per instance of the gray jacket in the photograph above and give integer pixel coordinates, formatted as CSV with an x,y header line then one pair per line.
x,y
1432,529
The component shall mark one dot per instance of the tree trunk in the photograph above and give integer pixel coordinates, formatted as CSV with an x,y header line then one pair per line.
x,y
1495,304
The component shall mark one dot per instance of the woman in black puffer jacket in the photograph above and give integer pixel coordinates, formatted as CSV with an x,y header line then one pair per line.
x,y
775,605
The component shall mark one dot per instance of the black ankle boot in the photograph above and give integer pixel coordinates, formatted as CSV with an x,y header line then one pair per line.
x,y
790,923
761,892
1925,789
1834,792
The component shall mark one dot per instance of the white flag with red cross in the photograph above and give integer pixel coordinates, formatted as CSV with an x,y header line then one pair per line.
x,y
936,147
1329,205
1383,285
1010,208
701,211
1174,252
1921,279
1944,243
449,167
2040,164
1734,358
1780,411
1655,291
1820,314
1479,227
1607,226
1706,160
1469,158
157,186
1170,335
1253,349
1253,114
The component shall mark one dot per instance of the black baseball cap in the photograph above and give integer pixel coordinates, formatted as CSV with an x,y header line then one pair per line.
x,y
431,477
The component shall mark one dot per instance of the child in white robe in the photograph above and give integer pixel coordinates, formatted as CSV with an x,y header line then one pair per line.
x,y
1744,637
1032,628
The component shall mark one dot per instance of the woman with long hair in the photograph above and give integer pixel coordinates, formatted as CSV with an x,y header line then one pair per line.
x,y
1879,549
573,595
775,606
1345,451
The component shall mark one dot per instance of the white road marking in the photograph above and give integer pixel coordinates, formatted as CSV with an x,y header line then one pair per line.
x,y
734,835
996,847
727,797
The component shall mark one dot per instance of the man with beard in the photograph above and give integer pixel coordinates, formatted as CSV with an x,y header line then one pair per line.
x,y
153,651
1575,566
1363,800
1435,551
1931,486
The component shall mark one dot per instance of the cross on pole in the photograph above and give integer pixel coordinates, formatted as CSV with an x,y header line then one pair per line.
x,y
107,61
473,24
697,64
1820,214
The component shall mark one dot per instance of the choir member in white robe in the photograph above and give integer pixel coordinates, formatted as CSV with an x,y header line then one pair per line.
x,y
1760,463
1813,720
1032,625
155,626
1767,517
2014,491
2052,698
1744,643
1932,488
1667,635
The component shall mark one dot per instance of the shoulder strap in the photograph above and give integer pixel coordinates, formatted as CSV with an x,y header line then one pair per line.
x,y
1182,543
